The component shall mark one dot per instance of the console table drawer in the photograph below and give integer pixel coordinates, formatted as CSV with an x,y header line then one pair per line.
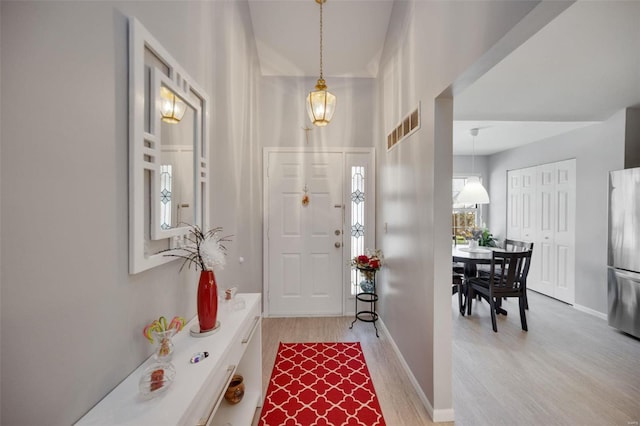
x,y
239,346
205,407
211,396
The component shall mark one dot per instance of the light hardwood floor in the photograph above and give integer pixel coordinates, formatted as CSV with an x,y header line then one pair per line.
x,y
571,368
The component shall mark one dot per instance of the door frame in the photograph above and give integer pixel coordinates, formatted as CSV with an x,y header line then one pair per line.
x,y
346,197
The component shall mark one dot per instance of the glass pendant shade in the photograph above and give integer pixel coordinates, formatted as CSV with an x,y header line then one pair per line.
x,y
172,108
321,105
473,193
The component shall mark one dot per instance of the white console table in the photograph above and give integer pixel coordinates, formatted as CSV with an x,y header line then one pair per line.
x,y
196,395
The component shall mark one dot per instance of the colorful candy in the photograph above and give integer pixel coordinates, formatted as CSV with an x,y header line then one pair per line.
x,y
177,323
161,325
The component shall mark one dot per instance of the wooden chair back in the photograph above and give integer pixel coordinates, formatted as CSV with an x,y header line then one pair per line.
x,y
508,272
515,245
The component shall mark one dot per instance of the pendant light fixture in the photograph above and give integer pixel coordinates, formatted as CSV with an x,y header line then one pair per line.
x,y
172,108
321,104
473,191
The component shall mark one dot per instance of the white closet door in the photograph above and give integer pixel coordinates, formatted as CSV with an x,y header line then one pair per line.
x,y
541,208
514,204
529,218
565,230
545,247
529,224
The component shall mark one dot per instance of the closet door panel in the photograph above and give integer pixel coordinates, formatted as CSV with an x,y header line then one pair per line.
x,y
514,204
529,221
564,232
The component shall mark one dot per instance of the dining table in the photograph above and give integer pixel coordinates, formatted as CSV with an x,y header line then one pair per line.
x,y
471,257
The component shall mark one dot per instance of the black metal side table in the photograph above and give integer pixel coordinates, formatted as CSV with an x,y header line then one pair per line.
x,y
369,313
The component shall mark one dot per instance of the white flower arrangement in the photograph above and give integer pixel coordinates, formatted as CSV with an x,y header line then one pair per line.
x,y
205,250
213,255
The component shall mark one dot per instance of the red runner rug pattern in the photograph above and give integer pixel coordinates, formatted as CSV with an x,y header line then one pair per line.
x,y
321,384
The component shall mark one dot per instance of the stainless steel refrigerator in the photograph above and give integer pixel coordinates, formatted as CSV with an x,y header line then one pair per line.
x,y
624,250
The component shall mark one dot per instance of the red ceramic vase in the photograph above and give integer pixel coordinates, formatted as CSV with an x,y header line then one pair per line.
x,y
207,301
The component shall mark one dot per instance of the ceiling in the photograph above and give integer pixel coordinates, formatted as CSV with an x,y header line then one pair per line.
x,y
579,69
496,136
287,34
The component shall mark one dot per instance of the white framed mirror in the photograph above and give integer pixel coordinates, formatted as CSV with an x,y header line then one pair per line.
x,y
168,150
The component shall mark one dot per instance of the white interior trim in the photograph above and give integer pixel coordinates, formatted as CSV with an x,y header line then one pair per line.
x,y
590,311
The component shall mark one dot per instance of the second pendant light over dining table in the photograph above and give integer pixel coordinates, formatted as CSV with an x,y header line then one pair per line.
x,y
473,191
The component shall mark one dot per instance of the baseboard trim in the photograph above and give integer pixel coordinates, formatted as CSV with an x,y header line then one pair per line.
x,y
590,311
441,416
437,416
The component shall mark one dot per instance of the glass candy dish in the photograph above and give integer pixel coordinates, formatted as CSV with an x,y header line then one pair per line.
x,y
156,379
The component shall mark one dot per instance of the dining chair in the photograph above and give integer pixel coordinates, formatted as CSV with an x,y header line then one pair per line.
x,y
514,245
510,246
507,278
457,280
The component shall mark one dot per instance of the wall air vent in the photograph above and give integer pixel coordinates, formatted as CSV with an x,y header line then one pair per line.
x,y
407,126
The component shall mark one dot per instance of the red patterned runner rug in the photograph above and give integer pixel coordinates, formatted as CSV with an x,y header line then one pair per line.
x,y
320,384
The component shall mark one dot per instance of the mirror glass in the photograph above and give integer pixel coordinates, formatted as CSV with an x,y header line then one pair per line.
x,y
177,178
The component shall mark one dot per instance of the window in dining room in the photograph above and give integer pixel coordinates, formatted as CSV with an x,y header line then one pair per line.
x,y
465,217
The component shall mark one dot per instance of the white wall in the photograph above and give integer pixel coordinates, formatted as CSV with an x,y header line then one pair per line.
x,y
632,139
236,154
430,46
1,275
597,149
462,166
283,114
71,314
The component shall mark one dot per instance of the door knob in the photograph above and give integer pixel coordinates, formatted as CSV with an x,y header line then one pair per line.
x,y
337,244
337,232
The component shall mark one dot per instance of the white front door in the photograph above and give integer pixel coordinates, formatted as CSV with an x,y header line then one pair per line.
x,y
304,233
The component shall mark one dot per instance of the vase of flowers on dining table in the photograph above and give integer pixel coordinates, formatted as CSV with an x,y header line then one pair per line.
x,y
483,237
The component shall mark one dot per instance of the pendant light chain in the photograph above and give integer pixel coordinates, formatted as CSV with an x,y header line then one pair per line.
x,y
474,133
473,154
321,1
